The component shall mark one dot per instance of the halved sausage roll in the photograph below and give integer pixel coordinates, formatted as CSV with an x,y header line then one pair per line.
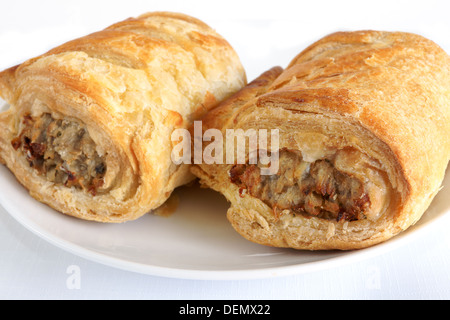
x,y
364,142
89,127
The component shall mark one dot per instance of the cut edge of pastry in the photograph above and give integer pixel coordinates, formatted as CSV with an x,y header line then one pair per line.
x,y
316,220
63,159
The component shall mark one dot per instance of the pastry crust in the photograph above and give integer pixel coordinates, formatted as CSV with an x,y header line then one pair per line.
x,y
375,107
126,88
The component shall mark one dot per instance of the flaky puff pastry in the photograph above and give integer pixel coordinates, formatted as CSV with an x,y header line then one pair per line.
x,y
364,142
89,127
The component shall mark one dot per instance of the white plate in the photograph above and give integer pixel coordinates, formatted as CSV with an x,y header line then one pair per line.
x,y
195,242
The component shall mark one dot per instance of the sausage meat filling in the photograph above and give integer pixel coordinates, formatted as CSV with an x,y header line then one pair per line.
x,y
314,189
62,151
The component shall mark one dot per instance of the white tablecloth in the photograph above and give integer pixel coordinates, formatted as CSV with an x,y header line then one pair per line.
x,y
264,34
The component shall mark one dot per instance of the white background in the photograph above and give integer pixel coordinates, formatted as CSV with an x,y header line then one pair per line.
x,y
264,33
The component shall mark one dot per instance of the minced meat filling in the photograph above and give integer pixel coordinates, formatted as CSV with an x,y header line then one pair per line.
x,y
62,151
315,189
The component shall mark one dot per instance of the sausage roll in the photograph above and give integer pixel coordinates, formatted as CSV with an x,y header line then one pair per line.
x,y
88,131
363,142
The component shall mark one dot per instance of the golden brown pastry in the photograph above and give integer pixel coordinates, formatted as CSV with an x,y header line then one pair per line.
x,y
90,123
364,142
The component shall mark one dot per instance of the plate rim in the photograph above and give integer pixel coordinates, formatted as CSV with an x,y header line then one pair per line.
x,y
347,257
